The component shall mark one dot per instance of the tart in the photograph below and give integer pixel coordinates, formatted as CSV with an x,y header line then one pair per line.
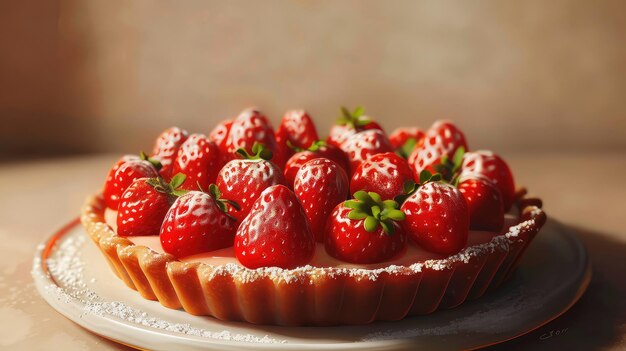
x,y
313,251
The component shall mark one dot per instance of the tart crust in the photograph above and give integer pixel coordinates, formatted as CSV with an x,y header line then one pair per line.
x,y
315,296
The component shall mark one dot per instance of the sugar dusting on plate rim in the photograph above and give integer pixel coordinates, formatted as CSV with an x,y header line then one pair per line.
x,y
67,267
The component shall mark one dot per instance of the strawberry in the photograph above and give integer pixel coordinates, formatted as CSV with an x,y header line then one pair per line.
x,y
363,145
166,148
437,218
494,168
275,233
219,135
197,222
252,127
384,174
349,124
443,139
123,173
144,204
318,149
245,179
405,139
484,203
365,230
320,185
296,130
199,159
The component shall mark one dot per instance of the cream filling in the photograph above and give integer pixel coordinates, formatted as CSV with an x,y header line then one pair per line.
x,y
412,254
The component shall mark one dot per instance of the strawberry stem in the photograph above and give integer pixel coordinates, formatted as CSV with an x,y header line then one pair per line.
x,y
156,163
216,194
354,119
410,186
159,184
259,151
369,207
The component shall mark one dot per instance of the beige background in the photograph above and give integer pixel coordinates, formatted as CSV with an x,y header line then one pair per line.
x,y
78,76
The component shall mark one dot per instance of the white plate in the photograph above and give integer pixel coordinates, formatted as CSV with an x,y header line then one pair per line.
x,y
73,277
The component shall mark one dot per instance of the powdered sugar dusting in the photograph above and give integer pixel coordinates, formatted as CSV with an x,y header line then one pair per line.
x,y
66,267
479,162
293,121
191,149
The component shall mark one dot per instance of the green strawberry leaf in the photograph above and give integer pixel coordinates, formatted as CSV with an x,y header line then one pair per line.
x,y
155,163
356,214
407,148
358,112
177,180
370,223
457,159
259,151
369,207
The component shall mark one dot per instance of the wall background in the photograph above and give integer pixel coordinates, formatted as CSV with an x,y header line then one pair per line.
x,y
83,76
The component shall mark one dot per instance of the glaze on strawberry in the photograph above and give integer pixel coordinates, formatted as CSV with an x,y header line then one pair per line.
x,y
327,151
275,233
349,240
442,139
199,159
296,130
166,148
251,127
245,180
363,145
493,167
122,175
384,174
394,198
484,202
219,135
437,218
320,185
196,224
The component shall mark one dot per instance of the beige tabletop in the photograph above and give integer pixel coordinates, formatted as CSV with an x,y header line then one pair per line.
x,y
585,191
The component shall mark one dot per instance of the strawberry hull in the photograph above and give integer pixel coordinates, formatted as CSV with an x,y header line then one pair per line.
x,y
309,295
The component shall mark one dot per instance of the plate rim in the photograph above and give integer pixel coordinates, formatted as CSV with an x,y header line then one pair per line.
x,y
43,279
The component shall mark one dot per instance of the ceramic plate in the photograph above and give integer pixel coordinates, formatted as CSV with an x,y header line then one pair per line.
x,y
73,277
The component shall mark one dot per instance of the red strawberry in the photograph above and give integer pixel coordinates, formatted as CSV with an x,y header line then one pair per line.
x,y
384,174
437,218
361,146
199,159
493,168
297,130
252,127
320,185
166,148
245,179
400,136
197,222
219,135
122,175
484,202
275,233
442,139
319,149
405,139
111,196
144,204
349,124
365,230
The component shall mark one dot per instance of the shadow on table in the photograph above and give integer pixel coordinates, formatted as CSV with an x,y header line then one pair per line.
x,y
595,321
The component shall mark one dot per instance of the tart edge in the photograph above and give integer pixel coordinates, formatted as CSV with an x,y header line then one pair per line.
x,y
311,295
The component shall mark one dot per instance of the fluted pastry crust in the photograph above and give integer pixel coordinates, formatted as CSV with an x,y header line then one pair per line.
x,y
310,295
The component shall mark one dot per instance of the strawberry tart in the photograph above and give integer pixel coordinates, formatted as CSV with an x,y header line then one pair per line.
x,y
279,227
